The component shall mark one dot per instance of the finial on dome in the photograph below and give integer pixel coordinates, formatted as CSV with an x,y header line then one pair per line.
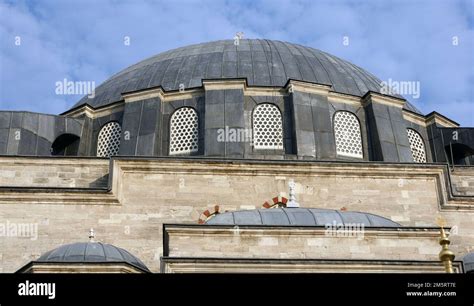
x,y
292,201
91,235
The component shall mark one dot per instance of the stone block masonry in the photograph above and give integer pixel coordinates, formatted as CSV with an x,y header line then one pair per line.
x,y
145,193
53,172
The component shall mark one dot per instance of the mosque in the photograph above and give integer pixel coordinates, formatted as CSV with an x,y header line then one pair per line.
x,y
262,156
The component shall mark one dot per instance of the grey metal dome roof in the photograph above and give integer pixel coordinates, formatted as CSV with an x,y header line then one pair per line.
x,y
262,62
468,261
88,252
299,217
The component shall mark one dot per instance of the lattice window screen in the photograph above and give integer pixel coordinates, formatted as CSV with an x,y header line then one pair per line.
x,y
184,131
267,127
417,146
108,142
347,134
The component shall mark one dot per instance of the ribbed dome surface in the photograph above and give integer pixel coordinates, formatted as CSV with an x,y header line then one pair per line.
x,y
300,217
262,62
87,252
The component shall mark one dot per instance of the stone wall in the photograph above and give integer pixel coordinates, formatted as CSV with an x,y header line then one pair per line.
x,y
462,179
217,248
53,172
293,242
231,265
147,193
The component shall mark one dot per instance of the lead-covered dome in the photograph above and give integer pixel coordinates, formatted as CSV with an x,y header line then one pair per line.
x,y
300,217
468,261
91,252
262,62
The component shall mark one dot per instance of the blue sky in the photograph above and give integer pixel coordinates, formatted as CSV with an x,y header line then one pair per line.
x,y
84,41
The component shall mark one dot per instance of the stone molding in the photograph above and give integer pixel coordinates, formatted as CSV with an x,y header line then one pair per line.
x,y
202,166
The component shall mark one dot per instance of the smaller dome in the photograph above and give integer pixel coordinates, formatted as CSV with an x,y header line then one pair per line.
x,y
299,217
468,261
91,252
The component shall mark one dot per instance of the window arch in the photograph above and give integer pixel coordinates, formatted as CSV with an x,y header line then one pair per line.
x,y
184,127
417,146
108,141
347,135
267,127
65,145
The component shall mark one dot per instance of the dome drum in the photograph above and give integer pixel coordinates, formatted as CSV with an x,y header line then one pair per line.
x,y
260,100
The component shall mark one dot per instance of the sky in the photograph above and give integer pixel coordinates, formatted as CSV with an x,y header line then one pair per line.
x,y
429,42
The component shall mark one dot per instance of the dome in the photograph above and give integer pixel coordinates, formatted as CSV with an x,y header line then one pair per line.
x,y
91,252
468,261
299,217
262,62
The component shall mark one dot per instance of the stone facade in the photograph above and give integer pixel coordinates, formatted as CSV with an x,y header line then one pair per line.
x,y
54,172
232,265
145,193
462,179
375,249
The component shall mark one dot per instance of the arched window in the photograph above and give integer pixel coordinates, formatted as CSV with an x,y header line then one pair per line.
x,y
347,135
417,146
184,131
267,127
108,141
65,145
